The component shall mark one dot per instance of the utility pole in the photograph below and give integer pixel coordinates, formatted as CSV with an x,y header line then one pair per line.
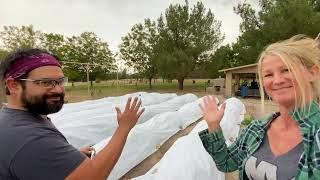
x,y
2,94
87,66
88,79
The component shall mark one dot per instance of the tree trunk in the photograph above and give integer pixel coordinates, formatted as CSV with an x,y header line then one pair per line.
x,y
180,81
150,80
2,94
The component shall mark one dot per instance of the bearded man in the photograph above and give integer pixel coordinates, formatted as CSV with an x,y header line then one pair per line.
x,y
32,147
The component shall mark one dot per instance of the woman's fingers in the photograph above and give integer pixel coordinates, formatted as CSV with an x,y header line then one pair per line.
x,y
206,101
201,107
223,106
209,103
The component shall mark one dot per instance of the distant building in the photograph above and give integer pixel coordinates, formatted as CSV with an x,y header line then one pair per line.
x,y
237,76
218,86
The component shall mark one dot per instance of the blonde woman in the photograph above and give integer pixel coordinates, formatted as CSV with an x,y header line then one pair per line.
x,y
285,144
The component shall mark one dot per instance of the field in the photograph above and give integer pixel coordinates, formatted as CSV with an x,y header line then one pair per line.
x,y
79,91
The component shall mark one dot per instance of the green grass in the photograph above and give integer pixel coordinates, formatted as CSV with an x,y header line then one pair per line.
x,y
247,119
79,91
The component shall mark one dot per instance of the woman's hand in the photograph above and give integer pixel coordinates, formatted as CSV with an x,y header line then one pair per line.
x,y
211,113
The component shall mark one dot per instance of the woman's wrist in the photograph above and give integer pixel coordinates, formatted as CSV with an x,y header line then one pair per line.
x,y
213,128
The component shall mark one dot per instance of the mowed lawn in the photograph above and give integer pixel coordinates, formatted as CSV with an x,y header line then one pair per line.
x,y
79,92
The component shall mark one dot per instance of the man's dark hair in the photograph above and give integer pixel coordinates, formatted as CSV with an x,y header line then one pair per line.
x,y
14,56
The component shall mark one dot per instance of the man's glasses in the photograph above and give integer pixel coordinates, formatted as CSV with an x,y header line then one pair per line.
x,y
48,83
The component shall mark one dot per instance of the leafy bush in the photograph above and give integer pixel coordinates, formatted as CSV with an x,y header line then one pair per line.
x,y
247,120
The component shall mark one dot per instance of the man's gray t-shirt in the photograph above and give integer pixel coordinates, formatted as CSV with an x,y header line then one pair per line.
x,y
32,148
264,165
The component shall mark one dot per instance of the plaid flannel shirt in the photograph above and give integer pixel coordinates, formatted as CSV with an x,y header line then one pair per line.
x,y
234,157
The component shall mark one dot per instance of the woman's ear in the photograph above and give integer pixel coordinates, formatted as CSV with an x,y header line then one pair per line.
x,y
314,73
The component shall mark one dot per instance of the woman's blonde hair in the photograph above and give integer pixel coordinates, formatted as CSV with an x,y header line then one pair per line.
x,y
294,52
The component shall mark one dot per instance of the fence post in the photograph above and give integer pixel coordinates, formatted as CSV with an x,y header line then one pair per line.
x,y
2,94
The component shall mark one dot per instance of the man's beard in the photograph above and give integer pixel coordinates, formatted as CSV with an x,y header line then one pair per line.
x,y
40,105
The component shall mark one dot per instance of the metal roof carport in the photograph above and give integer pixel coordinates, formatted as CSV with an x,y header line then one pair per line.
x,y
235,74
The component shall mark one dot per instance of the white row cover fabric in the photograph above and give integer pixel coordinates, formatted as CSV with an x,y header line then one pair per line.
x,y
75,111
188,160
146,138
90,129
91,104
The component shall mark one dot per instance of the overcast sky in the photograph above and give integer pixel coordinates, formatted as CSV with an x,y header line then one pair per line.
x,y
109,19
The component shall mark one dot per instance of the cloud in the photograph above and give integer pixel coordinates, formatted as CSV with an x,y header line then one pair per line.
x,y
109,19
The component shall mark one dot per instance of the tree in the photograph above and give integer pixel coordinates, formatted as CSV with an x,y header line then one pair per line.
x,y
315,4
137,46
276,20
184,36
54,43
124,74
89,49
59,45
3,54
19,37
223,57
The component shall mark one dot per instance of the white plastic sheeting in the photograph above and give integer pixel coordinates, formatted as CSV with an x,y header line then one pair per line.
x,y
188,160
167,106
233,116
89,127
75,111
145,138
193,110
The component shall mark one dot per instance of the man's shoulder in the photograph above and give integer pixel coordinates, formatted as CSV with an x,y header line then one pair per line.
x,y
47,155
8,115
13,121
18,129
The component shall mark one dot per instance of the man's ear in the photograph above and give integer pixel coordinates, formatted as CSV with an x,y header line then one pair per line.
x,y
314,72
13,86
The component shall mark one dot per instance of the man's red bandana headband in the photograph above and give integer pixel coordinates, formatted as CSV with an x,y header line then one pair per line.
x,y
25,65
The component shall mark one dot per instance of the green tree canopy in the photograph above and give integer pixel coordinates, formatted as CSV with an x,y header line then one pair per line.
x,y
54,43
14,37
137,46
88,48
3,54
184,35
276,20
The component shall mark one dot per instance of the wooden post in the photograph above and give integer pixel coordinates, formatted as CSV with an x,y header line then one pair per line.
x,y
2,94
88,79
228,84
237,83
